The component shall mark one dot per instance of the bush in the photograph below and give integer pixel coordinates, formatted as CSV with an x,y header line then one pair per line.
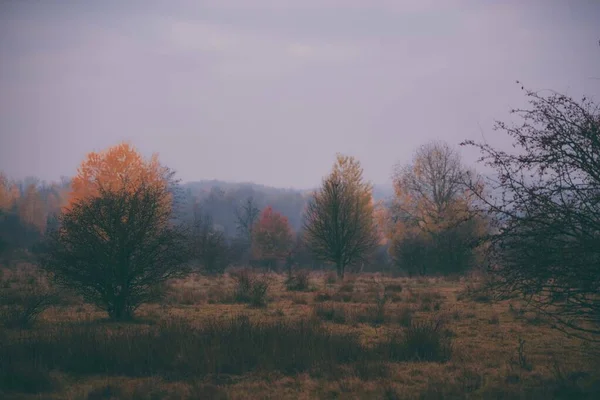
x,y
298,281
331,278
405,316
393,288
421,341
374,314
251,288
25,295
331,312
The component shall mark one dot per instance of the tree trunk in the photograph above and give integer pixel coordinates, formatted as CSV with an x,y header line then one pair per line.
x,y
340,269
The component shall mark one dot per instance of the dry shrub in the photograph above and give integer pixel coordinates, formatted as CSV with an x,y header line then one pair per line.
x,y
298,281
374,314
251,288
477,292
421,341
300,299
404,316
347,287
333,312
393,288
331,278
25,295
345,297
323,296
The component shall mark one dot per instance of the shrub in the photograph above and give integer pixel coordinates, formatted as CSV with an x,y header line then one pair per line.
x,y
251,288
374,314
24,297
405,316
393,288
331,312
298,281
330,278
421,341
347,287
322,296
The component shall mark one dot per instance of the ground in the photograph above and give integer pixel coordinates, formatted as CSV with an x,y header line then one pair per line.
x,y
480,349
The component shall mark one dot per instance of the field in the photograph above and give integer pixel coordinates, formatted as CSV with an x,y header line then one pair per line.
x,y
245,335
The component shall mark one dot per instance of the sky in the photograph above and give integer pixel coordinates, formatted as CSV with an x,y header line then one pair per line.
x,y
270,91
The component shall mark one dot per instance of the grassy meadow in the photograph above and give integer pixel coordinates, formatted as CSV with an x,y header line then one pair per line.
x,y
249,335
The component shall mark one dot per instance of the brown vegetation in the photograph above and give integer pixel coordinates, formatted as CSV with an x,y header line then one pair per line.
x,y
201,343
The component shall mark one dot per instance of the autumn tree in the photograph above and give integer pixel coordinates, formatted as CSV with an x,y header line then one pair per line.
x,y
15,233
32,210
339,225
546,240
272,237
434,225
116,242
119,167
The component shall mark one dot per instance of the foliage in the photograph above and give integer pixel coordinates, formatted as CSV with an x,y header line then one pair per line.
x,y
546,243
433,223
339,224
116,248
272,237
118,168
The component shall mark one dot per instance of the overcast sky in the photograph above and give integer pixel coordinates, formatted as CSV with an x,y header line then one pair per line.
x,y
269,91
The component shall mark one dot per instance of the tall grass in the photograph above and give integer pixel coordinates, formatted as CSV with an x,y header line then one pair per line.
x,y
175,349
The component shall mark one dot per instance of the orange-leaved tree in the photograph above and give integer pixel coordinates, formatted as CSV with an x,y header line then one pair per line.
x,y
116,242
272,237
120,167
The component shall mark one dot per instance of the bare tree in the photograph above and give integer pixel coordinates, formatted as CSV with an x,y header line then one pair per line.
x,y
246,216
115,249
546,245
209,245
339,225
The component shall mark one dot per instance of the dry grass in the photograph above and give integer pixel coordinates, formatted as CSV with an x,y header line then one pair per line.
x,y
370,336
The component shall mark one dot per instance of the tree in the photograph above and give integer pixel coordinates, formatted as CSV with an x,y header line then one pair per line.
x,y
116,248
434,225
116,242
32,210
339,225
246,216
209,246
119,167
546,242
273,237
430,192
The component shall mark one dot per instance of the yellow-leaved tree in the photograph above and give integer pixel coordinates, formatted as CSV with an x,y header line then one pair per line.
x,y
434,226
339,224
